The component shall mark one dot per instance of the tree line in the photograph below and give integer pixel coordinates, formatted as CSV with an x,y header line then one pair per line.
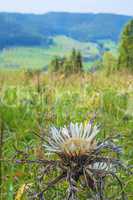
x,y
124,59
71,64
110,62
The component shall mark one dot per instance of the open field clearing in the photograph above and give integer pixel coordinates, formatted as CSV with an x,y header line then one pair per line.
x,y
40,57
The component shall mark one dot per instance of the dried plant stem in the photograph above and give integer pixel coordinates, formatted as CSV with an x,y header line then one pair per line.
x,y
72,185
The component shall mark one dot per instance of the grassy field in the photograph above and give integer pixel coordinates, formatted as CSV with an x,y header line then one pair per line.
x,y
28,106
39,57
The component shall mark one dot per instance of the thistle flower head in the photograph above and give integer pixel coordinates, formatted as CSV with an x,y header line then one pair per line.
x,y
81,159
76,140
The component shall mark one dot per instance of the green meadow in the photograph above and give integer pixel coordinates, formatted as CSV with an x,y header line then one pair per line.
x,y
40,57
26,111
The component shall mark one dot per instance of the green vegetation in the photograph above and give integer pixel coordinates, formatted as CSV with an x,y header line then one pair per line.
x,y
21,57
67,65
39,57
25,110
31,101
109,62
126,47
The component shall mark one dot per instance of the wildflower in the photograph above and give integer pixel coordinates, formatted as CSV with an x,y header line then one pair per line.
x,y
80,155
81,159
73,141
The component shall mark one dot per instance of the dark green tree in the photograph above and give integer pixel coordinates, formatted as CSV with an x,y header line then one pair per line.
x,y
73,59
79,63
71,64
126,47
55,65
76,61
67,67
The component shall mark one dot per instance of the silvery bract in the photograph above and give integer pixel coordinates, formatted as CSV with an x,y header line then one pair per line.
x,y
76,140
83,161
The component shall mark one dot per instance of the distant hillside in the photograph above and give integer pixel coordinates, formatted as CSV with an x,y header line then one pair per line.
x,y
40,57
35,30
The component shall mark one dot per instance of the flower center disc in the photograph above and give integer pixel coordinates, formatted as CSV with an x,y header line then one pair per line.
x,y
77,146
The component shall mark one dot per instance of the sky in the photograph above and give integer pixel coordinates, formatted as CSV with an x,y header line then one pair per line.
x,y
43,6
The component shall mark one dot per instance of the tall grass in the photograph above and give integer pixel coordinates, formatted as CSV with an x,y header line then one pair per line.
x,y
24,111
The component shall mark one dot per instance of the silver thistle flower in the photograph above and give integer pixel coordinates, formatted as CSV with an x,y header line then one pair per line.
x,y
81,160
76,140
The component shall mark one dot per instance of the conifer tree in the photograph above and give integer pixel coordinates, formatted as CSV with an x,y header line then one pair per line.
x,y
79,65
126,47
73,59
71,64
55,64
67,67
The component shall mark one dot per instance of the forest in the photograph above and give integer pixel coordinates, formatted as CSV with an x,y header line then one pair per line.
x,y
33,30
